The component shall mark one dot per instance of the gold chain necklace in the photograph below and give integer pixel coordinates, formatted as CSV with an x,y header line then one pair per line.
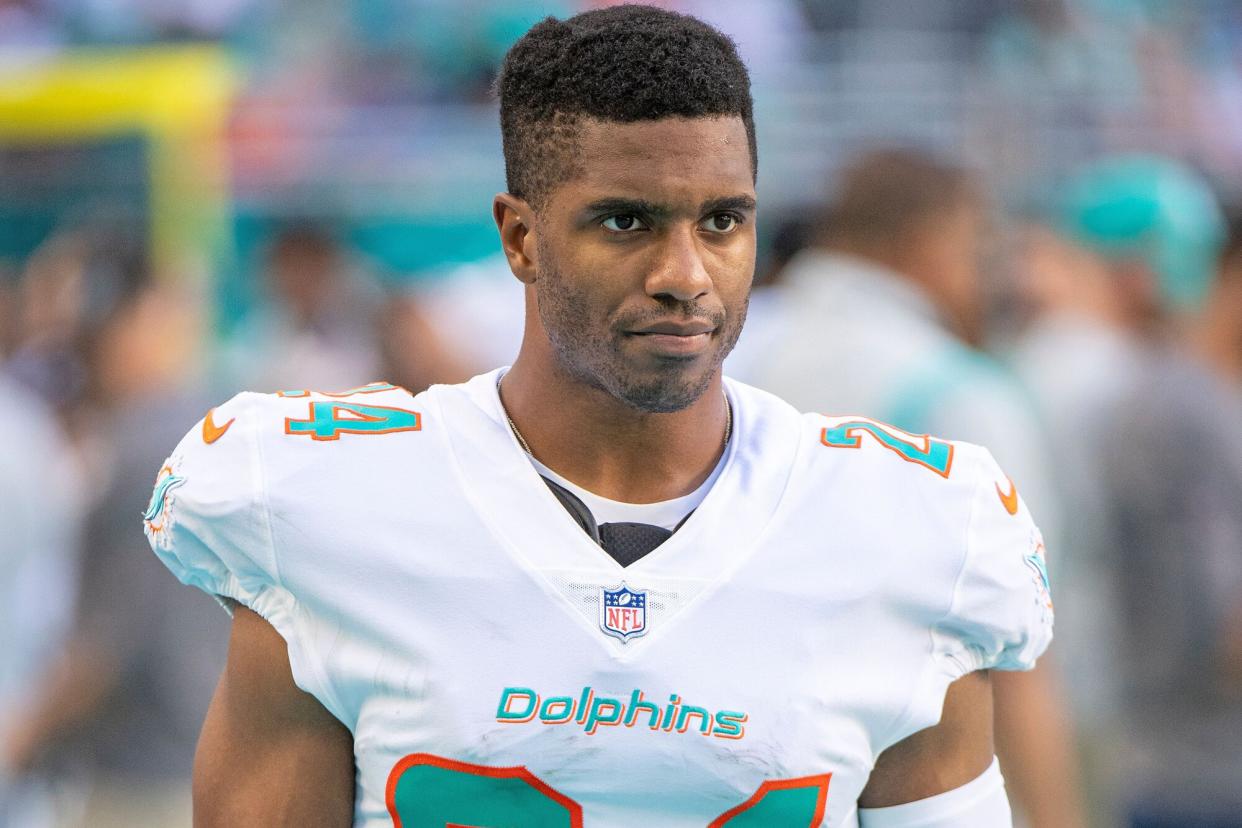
x,y
526,446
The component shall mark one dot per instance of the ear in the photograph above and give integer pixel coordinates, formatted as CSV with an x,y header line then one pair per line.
x,y
515,219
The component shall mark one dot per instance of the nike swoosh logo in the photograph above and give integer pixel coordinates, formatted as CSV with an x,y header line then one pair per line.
x,y
1010,500
211,431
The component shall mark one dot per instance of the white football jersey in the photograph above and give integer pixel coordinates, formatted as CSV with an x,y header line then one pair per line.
x,y
497,668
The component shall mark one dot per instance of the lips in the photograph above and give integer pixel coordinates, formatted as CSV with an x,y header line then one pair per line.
x,y
675,339
691,328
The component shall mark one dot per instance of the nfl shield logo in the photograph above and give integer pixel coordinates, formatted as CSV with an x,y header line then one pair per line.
x,y
623,612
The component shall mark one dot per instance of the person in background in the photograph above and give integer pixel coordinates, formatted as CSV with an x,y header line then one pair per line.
x,y
416,354
766,313
1126,238
878,313
473,309
1217,336
317,328
880,310
1077,360
128,696
40,512
1172,463
48,304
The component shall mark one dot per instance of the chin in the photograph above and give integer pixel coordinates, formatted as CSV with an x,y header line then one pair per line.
x,y
661,394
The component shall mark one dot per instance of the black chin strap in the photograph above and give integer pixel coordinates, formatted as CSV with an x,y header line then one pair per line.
x,y
625,542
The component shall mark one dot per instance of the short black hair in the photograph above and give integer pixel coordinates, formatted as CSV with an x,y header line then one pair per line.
x,y
625,64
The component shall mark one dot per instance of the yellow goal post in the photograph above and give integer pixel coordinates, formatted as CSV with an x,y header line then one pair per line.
x,y
177,98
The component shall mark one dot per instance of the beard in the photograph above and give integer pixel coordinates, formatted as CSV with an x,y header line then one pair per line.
x,y
589,347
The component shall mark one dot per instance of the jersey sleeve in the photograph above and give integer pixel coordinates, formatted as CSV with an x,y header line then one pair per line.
x,y
1000,616
206,520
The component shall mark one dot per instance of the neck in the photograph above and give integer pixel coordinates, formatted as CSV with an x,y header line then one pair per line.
x,y
607,447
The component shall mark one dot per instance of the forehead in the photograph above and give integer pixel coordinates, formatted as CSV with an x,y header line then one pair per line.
x,y
668,161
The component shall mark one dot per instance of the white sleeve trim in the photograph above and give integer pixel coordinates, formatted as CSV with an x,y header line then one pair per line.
x,y
980,803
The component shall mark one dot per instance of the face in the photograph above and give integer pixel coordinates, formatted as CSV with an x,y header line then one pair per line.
x,y
302,277
644,260
949,250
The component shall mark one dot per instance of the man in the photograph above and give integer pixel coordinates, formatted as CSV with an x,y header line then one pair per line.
x,y
127,691
1079,362
1170,459
316,322
891,283
1125,256
878,315
710,610
40,509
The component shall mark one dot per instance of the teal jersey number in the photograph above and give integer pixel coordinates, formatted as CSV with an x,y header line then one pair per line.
x,y
920,449
329,420
426,791
781,803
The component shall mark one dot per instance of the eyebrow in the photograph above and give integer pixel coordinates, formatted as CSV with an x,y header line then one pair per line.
x,y
741,203
638,206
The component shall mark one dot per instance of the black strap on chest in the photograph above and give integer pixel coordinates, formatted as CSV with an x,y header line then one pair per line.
x,y
625,542
628,542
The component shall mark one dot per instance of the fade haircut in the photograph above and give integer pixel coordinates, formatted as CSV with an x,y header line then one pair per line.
x,y
623,64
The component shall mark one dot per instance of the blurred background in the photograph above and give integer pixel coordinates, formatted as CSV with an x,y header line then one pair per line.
x,y
1017,218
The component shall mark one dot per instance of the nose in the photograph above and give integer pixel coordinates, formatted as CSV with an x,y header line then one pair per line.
x,y
679,272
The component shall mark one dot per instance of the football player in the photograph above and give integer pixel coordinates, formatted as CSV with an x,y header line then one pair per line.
x,y
604,586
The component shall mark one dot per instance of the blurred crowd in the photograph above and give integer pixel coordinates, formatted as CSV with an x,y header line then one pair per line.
x,y
1099,357
1083,320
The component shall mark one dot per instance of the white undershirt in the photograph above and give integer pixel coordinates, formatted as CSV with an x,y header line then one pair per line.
x,y
667,513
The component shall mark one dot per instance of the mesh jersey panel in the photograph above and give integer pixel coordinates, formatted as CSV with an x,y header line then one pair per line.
x,y
627,542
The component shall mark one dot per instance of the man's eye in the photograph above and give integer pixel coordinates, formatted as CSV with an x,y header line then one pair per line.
x,y
720,223
623,224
